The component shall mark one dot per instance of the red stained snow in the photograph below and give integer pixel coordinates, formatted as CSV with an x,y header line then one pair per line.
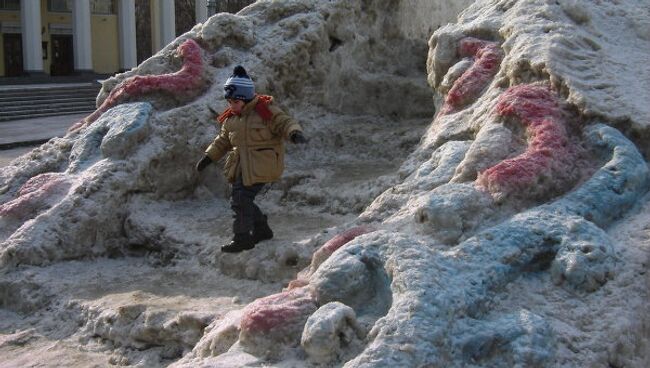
x,y
36,193
324,252
549,154
285,311
187,81
343,238
487,58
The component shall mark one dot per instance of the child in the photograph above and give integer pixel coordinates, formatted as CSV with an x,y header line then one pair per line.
x,y
252,135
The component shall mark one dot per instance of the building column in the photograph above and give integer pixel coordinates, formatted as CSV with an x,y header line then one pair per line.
x,y
30,18
128,50
167,22
81,36
201,8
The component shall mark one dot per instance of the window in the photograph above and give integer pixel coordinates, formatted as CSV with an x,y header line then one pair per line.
x,y
9,4
59,6
102,7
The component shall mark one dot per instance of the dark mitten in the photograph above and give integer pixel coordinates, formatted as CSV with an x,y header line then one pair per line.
x,y
205,161
297,137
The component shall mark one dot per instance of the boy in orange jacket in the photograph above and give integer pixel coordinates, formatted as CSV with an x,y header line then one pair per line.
x,y
252,136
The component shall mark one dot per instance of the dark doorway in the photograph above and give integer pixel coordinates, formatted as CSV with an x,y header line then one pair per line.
x,y
62,55
13,51
232,6
143,30
185,15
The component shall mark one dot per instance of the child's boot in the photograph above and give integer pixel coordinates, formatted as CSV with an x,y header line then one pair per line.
x,y
261,230
240,242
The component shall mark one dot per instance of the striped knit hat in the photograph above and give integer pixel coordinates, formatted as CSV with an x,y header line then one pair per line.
x,y
239,86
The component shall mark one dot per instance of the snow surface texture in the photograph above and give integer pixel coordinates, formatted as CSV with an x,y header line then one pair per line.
x,y
508,236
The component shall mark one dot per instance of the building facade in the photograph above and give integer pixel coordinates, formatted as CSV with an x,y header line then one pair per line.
x,y
73,37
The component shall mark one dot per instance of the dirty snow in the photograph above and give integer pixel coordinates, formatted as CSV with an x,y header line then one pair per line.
x,y
442,236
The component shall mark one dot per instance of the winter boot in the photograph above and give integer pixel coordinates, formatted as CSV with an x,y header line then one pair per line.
x,y
240,242
262,231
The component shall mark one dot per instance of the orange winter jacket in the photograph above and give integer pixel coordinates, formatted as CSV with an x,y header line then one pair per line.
x,y
255,145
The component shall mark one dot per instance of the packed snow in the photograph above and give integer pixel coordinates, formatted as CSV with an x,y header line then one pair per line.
x,y
474,193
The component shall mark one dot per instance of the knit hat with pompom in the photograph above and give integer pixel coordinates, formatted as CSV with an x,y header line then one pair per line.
x,y
239,86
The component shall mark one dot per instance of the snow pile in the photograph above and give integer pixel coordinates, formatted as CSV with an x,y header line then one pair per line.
x,y
497,242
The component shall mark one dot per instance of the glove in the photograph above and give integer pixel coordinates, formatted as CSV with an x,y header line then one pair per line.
x,y
297,137
205,161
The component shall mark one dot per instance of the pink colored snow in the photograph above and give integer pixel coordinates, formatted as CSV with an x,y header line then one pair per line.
x,y
38,192
341,239
487,58
325,251
280,316
549,155
187,81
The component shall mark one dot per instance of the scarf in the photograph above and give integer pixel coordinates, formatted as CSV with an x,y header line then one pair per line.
x,y
262,109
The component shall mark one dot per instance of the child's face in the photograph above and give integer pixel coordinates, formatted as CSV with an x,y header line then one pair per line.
x,y
236,105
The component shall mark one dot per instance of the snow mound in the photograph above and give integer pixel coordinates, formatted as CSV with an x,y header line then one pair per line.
x,y
505,230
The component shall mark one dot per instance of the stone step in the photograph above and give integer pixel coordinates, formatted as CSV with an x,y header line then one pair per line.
x,y
33,101
48,95
53,112
46,109
57,96
34,91
41,104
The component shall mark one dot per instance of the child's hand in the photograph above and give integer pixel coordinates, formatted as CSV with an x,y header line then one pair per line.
x,y
297,137
205,161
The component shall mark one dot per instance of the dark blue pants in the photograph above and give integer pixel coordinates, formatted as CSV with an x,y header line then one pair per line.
x,y
246,212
